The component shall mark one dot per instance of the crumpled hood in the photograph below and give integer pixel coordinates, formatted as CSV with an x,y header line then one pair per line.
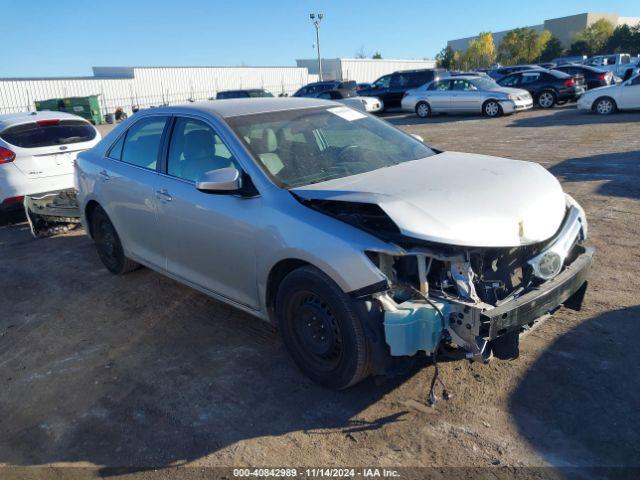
x,y
458,199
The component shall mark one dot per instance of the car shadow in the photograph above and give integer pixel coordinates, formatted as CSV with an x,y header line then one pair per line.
x,y
139,372
578,404
619,171
569,116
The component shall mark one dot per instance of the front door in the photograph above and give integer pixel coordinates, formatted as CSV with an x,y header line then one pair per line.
x,y
631,94
465,97
126,186
208,238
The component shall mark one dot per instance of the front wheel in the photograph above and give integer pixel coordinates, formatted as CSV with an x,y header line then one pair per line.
x,y
423,110
108,244
321,330
492,109
604,106
546,99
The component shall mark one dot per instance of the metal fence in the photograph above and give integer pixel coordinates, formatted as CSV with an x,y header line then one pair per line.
x,y
149,87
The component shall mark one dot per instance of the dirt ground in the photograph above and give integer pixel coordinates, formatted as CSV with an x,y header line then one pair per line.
x,y
142,372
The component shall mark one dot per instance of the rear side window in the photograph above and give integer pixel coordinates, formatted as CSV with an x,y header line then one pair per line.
x,y
141,146
47,133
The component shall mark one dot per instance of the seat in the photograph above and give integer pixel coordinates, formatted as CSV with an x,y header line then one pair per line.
x,y
199,155
265,144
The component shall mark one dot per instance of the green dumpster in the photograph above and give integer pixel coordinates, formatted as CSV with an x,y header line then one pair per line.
x,y
85,107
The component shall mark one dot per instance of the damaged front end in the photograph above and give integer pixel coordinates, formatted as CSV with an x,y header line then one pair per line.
x,y
474,301
52,212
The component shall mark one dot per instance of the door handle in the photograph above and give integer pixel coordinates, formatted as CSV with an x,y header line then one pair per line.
x,y
163,195
103,175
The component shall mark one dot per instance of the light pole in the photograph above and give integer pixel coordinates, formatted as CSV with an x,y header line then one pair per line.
x,y
316,18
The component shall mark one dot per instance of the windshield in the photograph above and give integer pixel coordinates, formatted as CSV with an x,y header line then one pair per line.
x,y
300,147
484,83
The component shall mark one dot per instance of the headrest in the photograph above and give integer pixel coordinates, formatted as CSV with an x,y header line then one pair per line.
x,y
199,143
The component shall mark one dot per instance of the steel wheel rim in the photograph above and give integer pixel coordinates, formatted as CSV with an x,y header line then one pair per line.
x,y
546,100
604,107
423,110
316,330
492,109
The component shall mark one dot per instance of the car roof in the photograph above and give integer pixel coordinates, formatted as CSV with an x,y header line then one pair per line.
x,y
19,118
460,77
235,107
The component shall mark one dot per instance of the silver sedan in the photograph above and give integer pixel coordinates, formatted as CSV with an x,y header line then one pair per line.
x,y
338,227
465,94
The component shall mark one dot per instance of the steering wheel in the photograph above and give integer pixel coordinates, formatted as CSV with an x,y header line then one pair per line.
x,y
346,154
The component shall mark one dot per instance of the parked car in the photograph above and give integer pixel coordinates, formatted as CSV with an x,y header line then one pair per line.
x,y
390,88
573,59
502,72
608,100
37,153
350,98
312,89
593,77
547,87
362,86
465,94
617,63
338,227
249,93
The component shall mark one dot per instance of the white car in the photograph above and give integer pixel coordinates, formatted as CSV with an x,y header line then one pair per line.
x,y
38,151
606,100
349,98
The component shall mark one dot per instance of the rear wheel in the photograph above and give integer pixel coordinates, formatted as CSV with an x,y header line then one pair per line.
x,y
108,244
604,106
546,99
321,330
491,109
423,110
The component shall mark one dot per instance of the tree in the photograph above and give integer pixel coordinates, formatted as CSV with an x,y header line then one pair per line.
x,y
480,53
377,56
593,38
523,45
579,47
360,52
553,49
444,58
624,39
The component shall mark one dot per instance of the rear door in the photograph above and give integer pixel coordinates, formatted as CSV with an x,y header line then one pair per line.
x,y
48,148
127,188
439,96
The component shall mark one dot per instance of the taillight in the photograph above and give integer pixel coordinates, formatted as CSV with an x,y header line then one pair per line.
x,y
51,121
6,155
13,200
603,77
569,82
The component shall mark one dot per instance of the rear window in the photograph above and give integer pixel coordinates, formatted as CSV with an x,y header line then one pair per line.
x,y
49,133
231,94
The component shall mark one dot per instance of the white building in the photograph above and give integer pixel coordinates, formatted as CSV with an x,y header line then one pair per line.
x,y
362,70
127,87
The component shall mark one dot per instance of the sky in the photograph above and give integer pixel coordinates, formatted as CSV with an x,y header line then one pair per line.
x,y
68,37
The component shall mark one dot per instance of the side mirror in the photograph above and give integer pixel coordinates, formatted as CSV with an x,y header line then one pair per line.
x,y
417,137
222,180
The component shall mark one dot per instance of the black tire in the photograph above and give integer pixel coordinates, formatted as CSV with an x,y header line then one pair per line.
x,y
108,244
605,106
423,110
320,327
492,109
546,99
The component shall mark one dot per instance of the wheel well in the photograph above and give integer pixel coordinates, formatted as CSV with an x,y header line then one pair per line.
x,y
88,213
276,275
490,100
423,101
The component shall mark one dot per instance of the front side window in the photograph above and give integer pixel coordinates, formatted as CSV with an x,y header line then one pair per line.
x,y
300,147
142,143
195,148
382,82
462,85
47,133
510,81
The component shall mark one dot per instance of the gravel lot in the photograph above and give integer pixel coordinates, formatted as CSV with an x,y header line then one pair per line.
x,y
139,371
